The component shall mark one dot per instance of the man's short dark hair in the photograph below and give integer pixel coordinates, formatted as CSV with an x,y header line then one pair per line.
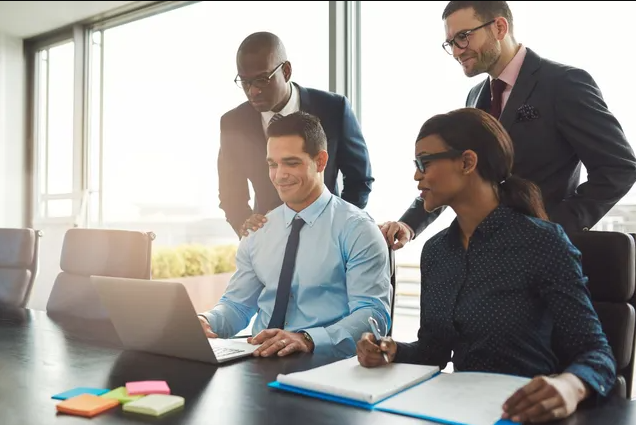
x,y
304,125
484,10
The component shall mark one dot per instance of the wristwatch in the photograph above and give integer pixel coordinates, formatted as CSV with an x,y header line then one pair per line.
x,y
308,338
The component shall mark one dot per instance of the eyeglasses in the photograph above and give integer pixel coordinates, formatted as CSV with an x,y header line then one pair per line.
x,y
260,82
461,39
421,161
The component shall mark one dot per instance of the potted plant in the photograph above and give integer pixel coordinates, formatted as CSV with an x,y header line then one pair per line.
x,y
204,271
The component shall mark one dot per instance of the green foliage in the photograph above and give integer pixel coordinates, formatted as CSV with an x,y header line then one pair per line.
x,y
192,260
226,256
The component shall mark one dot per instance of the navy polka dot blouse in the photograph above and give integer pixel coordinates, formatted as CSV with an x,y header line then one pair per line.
x,y
514,302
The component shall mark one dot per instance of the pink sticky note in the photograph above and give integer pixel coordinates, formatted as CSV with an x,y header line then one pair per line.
x,y
147,387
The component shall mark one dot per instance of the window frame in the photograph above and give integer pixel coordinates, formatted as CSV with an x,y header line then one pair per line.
x,y
343,65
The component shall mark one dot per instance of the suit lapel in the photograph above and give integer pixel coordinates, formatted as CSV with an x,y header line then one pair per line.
x,y
254,125
522,89
481,99
305,104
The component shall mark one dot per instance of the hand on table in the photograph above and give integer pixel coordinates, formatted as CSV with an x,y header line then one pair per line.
x,y
545,399
277,341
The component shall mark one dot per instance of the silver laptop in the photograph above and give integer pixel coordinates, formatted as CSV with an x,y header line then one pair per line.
x,y
158,317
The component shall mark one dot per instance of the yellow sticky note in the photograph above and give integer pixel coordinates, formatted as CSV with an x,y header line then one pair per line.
x,y
120,394
155,404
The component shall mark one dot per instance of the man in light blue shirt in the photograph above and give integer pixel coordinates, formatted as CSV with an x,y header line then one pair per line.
x,y
318,269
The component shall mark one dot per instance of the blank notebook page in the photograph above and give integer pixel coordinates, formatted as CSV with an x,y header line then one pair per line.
x,y
346,378
467,398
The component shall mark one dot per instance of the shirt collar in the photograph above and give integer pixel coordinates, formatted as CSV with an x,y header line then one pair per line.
x,y
311,213
511,71
293,105
497,218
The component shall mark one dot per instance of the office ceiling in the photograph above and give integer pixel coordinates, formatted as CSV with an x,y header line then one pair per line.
x,y
25,19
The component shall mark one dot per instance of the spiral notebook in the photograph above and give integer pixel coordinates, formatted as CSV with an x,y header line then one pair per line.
x,y
411,390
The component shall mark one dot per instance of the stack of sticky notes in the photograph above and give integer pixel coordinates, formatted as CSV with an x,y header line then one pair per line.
x,y
144,397
87,405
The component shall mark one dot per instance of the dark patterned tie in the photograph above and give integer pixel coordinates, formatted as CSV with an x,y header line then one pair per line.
x,y
287,272
275,118
497,88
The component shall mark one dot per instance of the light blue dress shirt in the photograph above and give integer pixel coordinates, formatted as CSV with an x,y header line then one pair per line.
x,y
342,277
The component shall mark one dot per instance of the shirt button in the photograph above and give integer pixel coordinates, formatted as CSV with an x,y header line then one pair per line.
x,y
602,388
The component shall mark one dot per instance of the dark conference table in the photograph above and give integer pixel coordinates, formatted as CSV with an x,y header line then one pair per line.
x,y
41,356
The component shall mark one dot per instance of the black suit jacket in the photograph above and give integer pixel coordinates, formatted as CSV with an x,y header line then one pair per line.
x,y
243,151
558,120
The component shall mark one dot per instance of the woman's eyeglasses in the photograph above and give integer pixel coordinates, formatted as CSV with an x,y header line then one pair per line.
x,y
421,161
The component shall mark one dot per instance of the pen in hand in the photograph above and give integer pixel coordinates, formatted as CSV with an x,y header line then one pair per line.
x,y
376,333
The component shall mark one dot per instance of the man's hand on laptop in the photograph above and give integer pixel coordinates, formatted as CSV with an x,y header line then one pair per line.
x,y
207,328
277,341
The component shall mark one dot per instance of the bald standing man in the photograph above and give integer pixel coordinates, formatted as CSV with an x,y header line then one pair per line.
x,y
265,75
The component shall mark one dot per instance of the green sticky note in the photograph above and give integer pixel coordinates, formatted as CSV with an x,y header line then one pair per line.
x,y
155,404
121,395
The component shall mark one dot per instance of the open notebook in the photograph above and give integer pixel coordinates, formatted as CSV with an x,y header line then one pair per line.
x,y
355,384
411,390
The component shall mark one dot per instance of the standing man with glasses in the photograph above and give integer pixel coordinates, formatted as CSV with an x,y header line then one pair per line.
x,y
555,114
264,74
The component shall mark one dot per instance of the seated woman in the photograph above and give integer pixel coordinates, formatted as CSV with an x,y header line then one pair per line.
x,y
502,288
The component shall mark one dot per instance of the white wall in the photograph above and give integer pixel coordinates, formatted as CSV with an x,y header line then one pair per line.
x,y
12,125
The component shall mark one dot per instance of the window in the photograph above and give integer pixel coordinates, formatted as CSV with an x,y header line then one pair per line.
x,y
167,80
54,131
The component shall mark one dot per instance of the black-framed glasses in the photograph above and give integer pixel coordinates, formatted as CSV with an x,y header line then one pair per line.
x,y
461,39
422,161
260,82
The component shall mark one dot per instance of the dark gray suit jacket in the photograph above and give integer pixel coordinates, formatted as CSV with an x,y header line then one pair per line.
x,y
558,120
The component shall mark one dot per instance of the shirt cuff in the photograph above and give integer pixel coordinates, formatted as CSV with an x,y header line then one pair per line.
x,y
590,377
322,340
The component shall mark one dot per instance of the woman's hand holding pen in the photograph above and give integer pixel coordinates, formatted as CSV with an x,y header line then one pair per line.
x,y
370,354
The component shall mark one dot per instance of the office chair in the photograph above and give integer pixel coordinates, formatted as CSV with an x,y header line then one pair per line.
x,y
19,259
609,262
96,252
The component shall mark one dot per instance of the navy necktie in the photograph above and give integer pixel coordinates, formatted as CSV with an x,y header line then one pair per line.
x,y
497,88
275,118
287,272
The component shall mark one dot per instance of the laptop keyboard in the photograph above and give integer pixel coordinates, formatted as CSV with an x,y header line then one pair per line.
x,y
224,351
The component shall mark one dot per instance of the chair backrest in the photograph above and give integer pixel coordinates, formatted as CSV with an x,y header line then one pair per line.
x,y
19,255
96,252
631,387
393,287
609,262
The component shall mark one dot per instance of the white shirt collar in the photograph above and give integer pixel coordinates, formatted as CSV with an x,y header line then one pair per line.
x,y
293,105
